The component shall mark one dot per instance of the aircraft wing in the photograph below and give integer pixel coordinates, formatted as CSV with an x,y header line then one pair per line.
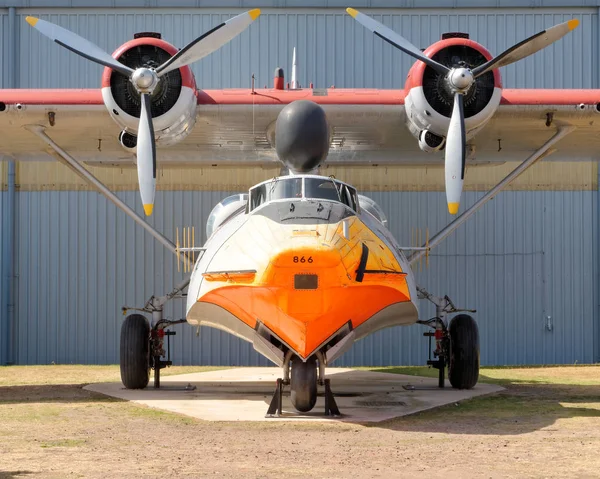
x,y
236,126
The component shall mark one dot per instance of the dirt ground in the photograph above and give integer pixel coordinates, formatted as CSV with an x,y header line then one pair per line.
x,y
546,424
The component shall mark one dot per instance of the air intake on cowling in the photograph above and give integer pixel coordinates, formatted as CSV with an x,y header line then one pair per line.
x,y
438,92
164,96
445,36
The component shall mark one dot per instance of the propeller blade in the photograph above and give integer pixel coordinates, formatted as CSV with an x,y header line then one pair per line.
x,y
77,44
209,42
455,155
527,47
395,40
146,155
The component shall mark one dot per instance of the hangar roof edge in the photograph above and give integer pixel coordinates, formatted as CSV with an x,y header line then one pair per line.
x,y
330,4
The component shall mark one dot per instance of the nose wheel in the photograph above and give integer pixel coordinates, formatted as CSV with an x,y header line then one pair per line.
x,y
303,384
304,379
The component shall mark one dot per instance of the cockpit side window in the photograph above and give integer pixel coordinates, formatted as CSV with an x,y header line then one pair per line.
x,y
277,189
353,198
257,196
347,197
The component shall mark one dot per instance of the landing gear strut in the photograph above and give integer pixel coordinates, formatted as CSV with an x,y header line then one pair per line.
x,y
154,305
303,386
142,348
456,344
157,347
154,342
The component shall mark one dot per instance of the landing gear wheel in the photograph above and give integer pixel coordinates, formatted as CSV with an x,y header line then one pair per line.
x,y
135,352
463,368
303,384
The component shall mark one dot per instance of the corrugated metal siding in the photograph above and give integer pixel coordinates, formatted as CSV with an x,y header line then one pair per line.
x,y
332,48
247,4
81,260
528,255
3,278
545,175
524,257
4,45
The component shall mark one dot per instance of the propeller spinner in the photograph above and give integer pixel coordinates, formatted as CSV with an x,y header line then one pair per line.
x,y
145,81
459,81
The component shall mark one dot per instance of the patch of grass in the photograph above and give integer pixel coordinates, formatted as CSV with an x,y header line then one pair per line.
x,y
31,412
77,374
535,397
144,412
583,375
63,443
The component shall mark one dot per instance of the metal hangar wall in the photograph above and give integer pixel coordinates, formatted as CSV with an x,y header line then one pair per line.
x,y
528,262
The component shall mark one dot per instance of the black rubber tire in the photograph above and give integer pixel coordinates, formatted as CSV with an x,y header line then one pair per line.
x,y
135,352
463,367
303,384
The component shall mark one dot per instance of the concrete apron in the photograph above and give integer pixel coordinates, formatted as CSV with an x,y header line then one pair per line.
x,y
244,394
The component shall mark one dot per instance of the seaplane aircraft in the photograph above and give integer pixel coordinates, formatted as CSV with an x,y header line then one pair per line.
x,y
302,265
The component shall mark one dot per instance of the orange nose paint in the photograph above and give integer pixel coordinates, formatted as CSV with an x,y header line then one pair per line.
x,y
305,314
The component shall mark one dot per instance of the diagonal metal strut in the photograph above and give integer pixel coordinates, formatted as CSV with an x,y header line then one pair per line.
x,y
539,154
90,178
74,165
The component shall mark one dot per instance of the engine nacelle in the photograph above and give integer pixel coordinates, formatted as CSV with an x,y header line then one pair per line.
x,y
429,101
430,142
174,99
370,206
224,210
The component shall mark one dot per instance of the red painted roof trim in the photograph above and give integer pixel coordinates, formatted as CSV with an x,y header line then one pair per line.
x,y
522,97
331,96
52,97
526,97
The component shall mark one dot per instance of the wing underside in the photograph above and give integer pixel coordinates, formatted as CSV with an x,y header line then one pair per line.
x,y
237,127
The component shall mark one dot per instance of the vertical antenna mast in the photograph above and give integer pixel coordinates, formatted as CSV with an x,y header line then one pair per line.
x,y
294,83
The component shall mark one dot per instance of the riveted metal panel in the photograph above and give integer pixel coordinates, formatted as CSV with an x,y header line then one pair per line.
x,y
332,48
526,257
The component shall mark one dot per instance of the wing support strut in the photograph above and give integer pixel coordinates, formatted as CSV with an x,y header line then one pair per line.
x,y
545,150
155,304
74,165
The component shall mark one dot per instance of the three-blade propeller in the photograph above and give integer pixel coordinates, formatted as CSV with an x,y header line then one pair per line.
x,y
145,81
459,80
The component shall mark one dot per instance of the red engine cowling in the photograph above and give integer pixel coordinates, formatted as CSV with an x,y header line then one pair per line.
x,y
429,100
174,100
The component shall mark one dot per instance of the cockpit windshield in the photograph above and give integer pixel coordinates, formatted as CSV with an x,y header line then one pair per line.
x,y
303,187
321,188
276,189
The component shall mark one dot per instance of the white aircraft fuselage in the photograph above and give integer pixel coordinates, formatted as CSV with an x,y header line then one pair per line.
x,y
301,268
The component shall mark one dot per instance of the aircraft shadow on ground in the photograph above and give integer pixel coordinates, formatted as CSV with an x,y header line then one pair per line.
x,y
525,406
14,474
55,393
